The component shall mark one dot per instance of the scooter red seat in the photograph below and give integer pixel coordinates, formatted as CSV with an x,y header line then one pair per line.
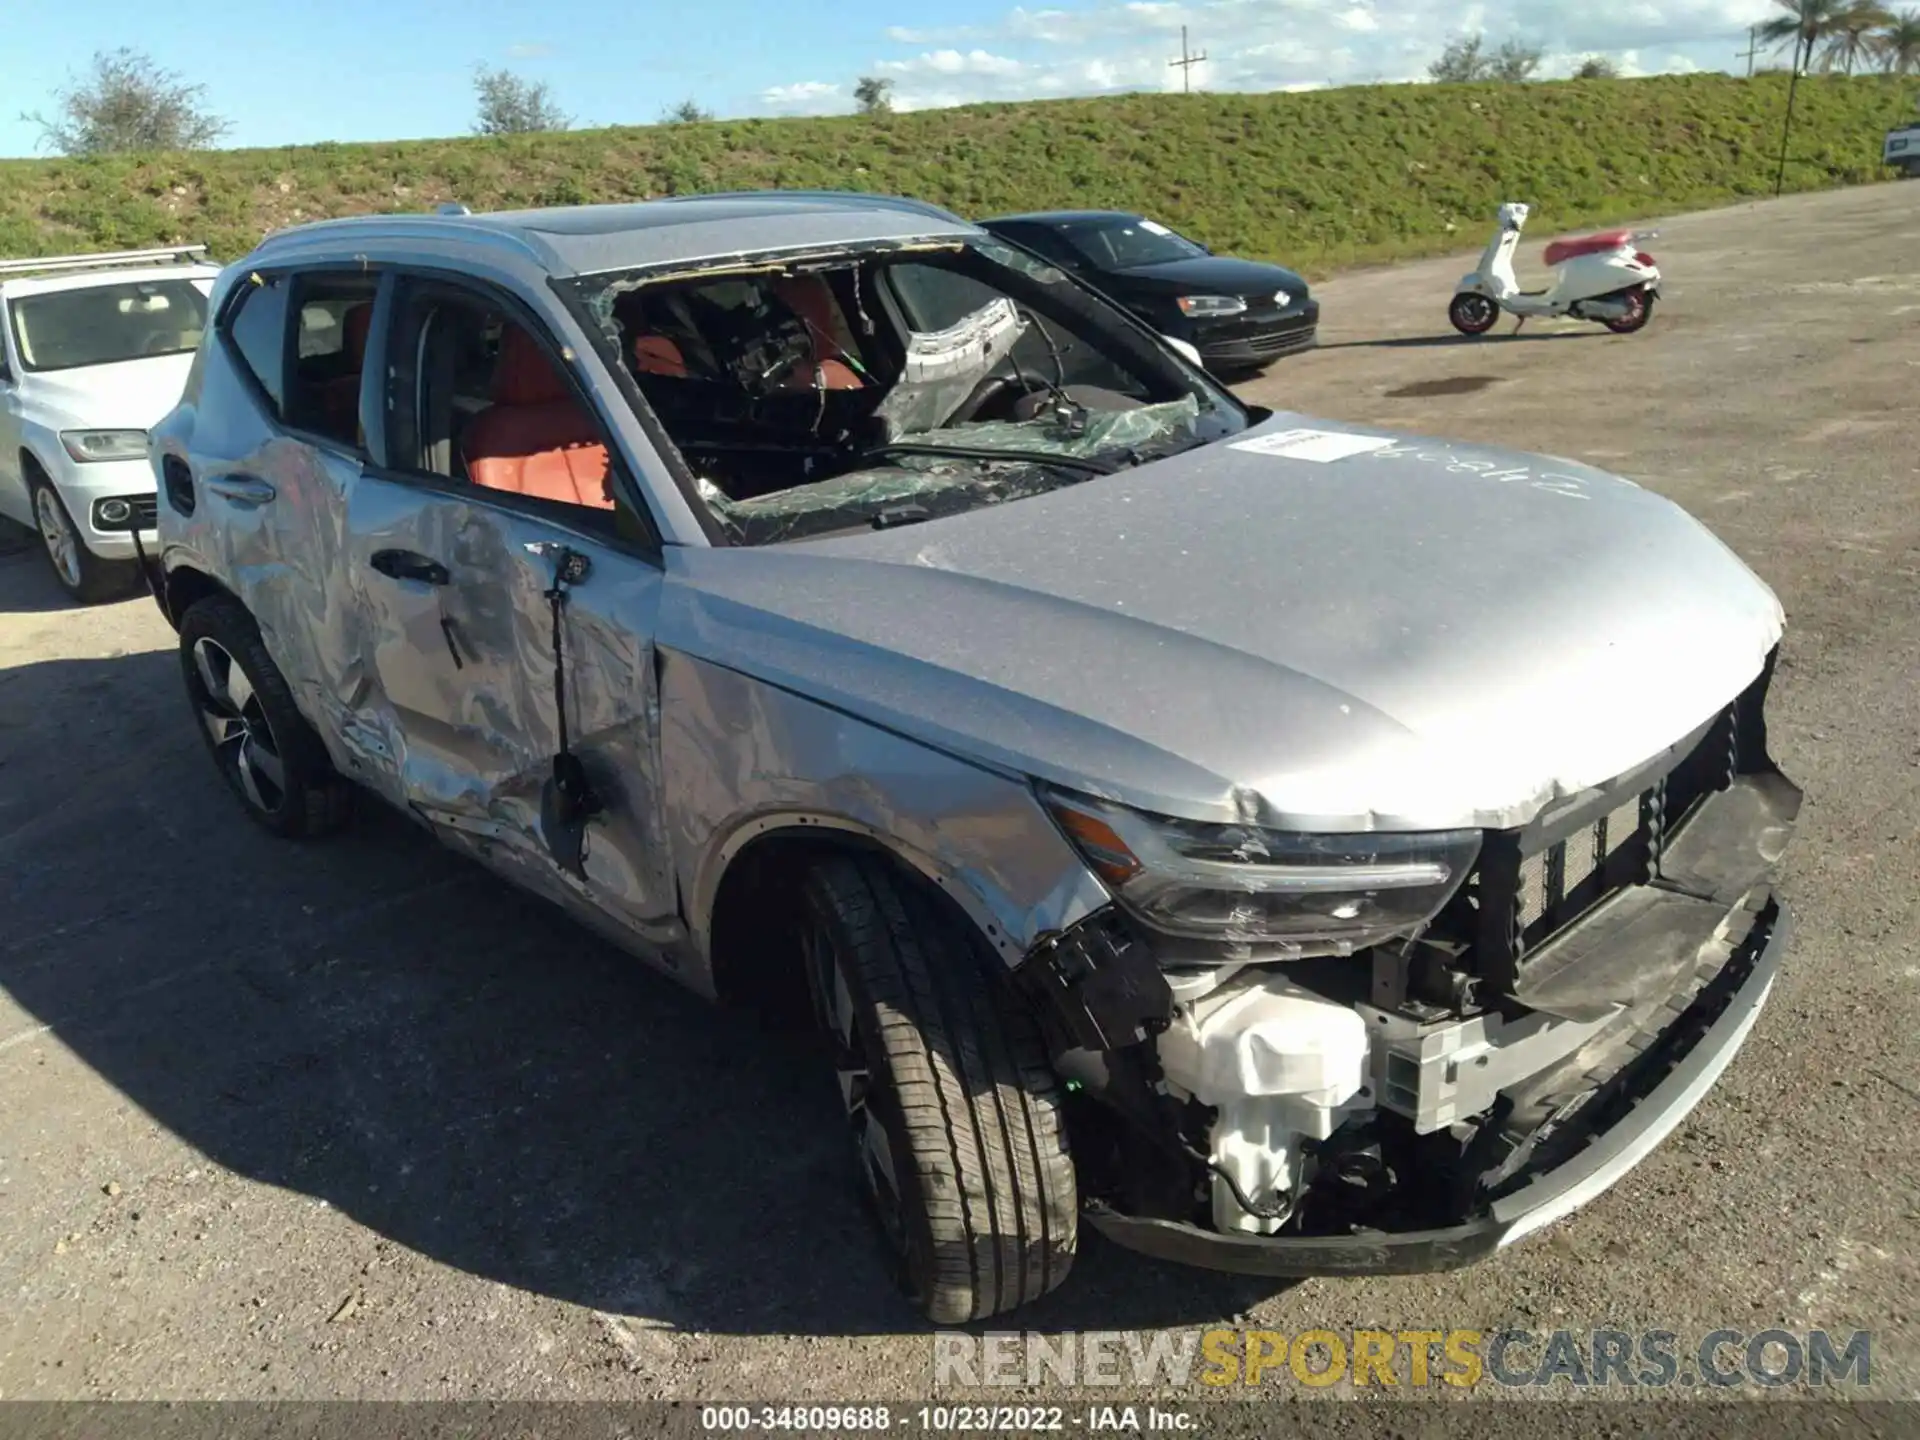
x,y
1567,247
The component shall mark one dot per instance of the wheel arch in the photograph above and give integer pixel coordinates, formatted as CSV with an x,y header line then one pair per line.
x,y
186,584
747,762
748,923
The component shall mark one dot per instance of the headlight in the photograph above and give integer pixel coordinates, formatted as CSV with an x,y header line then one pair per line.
x,y
1201,306
90,445
1320,893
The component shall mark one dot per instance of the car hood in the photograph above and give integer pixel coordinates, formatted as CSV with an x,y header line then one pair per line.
x,y
1212,275
128,395
1315,626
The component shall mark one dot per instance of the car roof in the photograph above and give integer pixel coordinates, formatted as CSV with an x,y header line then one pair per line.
x,y
86,279
588,239
1060,219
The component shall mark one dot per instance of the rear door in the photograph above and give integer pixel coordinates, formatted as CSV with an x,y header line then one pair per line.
x,y
272,456
450,585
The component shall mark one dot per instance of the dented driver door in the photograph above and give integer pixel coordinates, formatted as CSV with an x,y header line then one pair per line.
x,y
456,639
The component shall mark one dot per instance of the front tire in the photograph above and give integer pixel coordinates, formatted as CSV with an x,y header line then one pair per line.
x,y
259,741
954,1106
1472,313
81,573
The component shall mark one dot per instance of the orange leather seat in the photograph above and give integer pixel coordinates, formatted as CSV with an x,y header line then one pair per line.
x,y
657,355
810,297
535,439
354,327
340,398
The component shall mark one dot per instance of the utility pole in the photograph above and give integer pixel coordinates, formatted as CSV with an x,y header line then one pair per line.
x,y
1753,49
1186,62
1786,130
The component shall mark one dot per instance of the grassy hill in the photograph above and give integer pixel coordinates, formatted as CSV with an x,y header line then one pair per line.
x,y
1319,179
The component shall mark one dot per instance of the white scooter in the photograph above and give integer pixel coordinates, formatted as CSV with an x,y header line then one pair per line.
x,y
1604,277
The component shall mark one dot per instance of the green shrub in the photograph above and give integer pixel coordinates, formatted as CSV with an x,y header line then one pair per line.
x,y
1317,180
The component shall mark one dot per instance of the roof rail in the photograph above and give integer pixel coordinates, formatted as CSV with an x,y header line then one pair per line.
x,y
103,260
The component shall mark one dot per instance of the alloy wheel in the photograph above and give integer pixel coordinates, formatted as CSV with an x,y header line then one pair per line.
x,y
873,1151
243,738
1473,314
56,533
1636,316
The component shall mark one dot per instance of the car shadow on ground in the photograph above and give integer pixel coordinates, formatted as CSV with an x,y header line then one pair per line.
x,y
30,588
375,1022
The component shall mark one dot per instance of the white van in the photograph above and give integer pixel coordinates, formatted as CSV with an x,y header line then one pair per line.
x,y
1903,150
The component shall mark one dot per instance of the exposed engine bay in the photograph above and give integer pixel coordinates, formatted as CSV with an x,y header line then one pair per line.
x,y
1398,1091
819,394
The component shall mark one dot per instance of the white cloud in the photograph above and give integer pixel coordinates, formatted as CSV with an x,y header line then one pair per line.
x,y
806,97
940,35
953,62
528,49
1121,45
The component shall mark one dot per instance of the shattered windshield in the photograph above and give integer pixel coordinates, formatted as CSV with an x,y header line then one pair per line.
x,y
894,385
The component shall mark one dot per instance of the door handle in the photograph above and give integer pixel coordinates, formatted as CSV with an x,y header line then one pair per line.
x,y
409,565
246,490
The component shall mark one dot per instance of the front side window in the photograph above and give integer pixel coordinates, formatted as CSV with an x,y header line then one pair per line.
x,y
477,398
107,324
883,387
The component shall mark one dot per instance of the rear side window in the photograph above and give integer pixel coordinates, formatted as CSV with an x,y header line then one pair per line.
x,y
257,330
303,338
334,318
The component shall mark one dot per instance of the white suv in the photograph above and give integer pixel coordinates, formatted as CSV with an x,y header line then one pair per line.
x,y
93,350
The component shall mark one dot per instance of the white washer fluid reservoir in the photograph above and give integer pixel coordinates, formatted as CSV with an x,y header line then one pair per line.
x,y
1281,1065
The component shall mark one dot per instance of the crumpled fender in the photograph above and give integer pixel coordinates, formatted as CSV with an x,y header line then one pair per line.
x,y
744,758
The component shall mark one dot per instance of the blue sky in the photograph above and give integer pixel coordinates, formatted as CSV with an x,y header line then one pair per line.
x,y
285,73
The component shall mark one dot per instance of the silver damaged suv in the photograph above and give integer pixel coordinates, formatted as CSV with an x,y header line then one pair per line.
x,y
1284,846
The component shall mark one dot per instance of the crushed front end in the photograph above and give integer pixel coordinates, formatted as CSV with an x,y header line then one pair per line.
x,y
1427,1097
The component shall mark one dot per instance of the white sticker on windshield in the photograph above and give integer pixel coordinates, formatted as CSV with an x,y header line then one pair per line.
x,y
1317,445
1154,227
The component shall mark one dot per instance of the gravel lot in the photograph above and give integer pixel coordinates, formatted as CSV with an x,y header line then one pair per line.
x,y
353,1121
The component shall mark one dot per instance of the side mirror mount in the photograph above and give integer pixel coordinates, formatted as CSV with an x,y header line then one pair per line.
x,y
1186,349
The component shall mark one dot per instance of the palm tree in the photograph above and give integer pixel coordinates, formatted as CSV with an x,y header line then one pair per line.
x,y
1805,23
1897,46
1852,33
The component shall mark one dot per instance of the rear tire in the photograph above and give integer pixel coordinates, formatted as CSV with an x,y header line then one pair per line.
x,y
1637,317
955,1108
259,741
81,573
1472,313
